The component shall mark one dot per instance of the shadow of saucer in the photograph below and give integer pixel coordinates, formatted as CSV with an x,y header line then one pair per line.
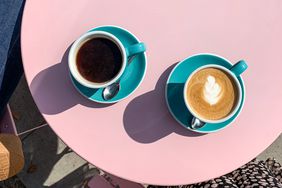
x,y
147,119
54,92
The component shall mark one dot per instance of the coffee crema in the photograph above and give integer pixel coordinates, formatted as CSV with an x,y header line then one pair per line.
x,y
99,60
212,94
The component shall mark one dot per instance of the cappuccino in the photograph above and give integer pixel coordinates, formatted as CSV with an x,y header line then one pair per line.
x,y
211,93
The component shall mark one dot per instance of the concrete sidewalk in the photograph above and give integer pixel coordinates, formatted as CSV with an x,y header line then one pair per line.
x,y
48,161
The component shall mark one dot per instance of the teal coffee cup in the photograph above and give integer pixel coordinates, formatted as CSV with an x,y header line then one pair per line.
x,y
212,92
125,52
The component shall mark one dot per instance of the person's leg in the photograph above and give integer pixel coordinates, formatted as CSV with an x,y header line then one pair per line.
x,y
10,55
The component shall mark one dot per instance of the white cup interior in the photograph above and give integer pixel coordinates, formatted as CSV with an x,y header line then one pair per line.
x,y
73,54
236,81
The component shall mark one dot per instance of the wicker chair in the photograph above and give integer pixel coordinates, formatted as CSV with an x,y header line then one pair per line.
x,y
11,154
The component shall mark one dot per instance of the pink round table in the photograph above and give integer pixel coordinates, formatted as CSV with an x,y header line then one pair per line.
x,y
137,138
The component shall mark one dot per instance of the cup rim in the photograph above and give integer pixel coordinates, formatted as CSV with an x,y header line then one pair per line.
x,y
235,79
77,45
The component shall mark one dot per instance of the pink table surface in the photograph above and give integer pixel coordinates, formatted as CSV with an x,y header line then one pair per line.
x,y
137,139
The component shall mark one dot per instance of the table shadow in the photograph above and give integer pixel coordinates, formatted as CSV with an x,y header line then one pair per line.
x,y
147,119
54,92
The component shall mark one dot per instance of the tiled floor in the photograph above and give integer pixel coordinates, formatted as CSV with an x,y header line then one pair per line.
x,y
49,162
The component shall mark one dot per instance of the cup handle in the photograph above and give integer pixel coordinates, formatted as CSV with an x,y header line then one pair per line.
x,y
239,67
135,49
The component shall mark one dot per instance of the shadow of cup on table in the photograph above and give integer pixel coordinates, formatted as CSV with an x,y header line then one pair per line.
x,y
147,119
55,91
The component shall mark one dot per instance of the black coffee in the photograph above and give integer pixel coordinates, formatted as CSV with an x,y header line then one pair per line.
x,y
99,60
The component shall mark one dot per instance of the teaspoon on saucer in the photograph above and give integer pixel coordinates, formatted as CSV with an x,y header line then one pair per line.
x,y
196,123
112,90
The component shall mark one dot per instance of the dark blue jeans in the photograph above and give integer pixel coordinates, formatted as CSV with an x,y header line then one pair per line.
x,y
10,53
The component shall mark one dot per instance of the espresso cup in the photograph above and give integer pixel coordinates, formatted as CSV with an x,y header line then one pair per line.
x,y
82,50
213,94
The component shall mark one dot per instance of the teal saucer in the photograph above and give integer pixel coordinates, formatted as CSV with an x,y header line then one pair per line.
x,y
175,85
132,77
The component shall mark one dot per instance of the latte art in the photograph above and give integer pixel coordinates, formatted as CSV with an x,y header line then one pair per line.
x,y
212,91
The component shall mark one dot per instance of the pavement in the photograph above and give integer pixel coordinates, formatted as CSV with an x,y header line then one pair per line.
x,y
48,161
